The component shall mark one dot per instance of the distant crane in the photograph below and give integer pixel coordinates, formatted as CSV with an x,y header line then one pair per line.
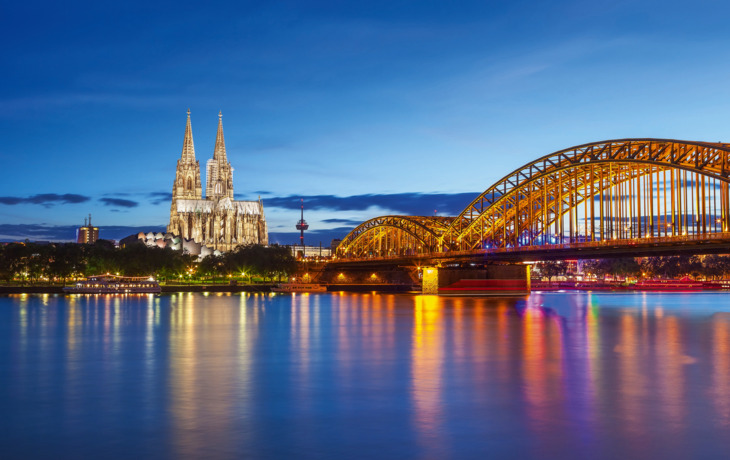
x,y
302,225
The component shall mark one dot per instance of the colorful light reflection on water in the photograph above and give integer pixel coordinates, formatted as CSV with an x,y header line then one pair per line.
x,y
555,375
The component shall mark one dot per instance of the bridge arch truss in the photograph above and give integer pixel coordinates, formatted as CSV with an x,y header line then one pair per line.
x,y
626,189
394,235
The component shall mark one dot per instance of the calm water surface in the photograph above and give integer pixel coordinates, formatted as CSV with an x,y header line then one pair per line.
x,y
559,375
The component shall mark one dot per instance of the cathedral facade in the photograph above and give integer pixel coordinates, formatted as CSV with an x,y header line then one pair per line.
x,y
216,221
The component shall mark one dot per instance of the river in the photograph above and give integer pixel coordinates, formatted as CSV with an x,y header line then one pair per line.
x,y
347,376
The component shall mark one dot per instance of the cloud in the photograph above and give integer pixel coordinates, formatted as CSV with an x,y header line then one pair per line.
x,y
43,232
154,197
400,203
45,199
311,238
119,202
117,194
352,222
159,197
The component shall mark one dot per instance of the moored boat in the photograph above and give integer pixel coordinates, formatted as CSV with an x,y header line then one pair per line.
x,y
114,284
299,287
684,284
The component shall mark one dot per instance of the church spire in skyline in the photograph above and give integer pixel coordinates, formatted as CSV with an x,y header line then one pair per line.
x,y
218,172
220,144
187,175
217,220
188,151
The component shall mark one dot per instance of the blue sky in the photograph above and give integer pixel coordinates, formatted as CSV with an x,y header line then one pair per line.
x,y
362,108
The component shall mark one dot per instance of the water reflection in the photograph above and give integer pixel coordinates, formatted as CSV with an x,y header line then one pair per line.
x,y
426,361
720,388
365,375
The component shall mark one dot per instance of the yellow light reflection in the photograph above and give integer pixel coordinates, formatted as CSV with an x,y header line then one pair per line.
x,y
426,370
203,384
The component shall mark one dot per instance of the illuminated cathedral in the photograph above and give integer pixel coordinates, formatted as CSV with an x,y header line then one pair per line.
x,y
216,221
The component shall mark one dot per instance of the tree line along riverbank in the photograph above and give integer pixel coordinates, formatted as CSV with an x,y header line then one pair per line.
x,y
60,263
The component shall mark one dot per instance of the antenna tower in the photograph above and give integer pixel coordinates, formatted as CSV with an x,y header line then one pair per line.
x,y
302,225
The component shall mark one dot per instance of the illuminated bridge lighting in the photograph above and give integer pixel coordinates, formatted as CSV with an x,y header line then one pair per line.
x,y
614,193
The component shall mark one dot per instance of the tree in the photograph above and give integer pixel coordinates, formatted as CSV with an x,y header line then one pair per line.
x,y
716,266
552,268
651,267
101,258
9,260
67,259
597,267
268,262
38,260
624,267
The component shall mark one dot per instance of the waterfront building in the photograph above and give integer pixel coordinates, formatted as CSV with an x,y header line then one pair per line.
x,y
310,252
216,220
87,234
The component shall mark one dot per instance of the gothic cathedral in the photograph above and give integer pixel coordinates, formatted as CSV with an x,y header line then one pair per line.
x,y
216,221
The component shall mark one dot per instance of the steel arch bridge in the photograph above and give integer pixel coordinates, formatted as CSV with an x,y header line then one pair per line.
x,y
396,236
617,192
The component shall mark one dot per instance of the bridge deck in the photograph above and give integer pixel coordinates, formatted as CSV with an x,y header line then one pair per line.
x,y
714,243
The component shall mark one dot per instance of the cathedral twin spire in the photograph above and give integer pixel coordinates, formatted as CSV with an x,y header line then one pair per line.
x,y
188,152
187,177
220,144
217,221
219,174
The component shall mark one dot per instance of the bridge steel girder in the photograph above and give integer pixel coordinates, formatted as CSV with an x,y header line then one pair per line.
x,y
393,231
531,210
511,202
500,217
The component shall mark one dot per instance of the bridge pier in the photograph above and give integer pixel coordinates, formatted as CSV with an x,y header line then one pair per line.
x,y
430,281
470,278
506,279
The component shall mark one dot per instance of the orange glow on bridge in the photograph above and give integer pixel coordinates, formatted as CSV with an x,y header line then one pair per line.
x,y
606,194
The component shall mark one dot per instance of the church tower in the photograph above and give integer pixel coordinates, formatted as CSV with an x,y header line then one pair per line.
x,y
216,222
187,184
219,174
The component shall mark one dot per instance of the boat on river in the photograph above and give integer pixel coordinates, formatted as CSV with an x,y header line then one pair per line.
x,y
299,287
684,284
114,284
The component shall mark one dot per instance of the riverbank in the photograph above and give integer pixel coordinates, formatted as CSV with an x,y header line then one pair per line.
x,y
260,288
403,288
662,285
165,288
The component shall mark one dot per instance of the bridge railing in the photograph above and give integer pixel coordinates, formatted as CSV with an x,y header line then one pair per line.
x,y
575,245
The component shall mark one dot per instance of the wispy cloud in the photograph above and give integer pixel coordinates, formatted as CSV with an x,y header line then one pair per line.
x,y
159,197
45,199
42,232
119,202
342,221
399,203
154,198
311,238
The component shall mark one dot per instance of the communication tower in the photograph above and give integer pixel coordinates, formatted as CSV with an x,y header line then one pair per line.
x,y
302,225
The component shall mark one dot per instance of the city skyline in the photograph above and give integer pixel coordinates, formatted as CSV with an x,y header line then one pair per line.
x,y
406,108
